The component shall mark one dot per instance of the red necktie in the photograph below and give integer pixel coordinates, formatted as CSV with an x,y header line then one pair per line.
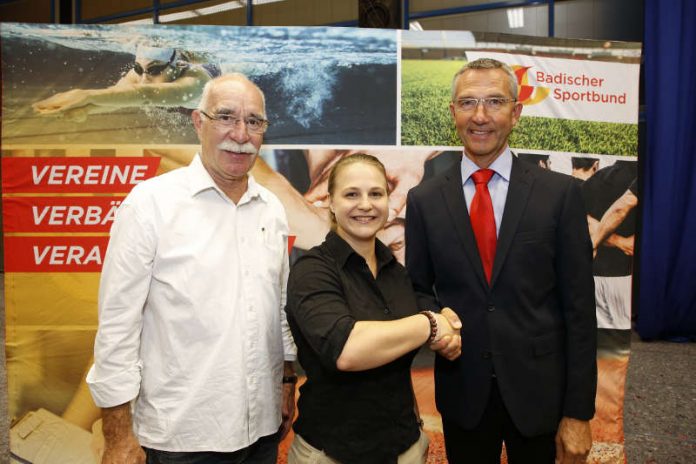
x,y
483,220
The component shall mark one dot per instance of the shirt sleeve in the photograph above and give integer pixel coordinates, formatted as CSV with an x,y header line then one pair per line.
x,y
318,306
576,288
418,261
289,348
115,377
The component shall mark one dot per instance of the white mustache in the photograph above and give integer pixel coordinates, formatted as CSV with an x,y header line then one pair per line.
x,y
238,147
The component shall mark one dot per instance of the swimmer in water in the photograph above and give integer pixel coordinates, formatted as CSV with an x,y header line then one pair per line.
x,y
159,76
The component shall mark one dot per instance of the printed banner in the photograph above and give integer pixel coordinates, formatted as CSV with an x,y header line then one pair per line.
x,y
77,140
581,89
59,214
551,119
75,175
54,254
322,85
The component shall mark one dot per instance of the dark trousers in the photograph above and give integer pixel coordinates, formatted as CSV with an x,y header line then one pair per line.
x,y
264,451
483,444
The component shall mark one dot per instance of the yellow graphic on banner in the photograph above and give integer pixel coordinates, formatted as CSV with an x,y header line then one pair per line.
x,y
528,94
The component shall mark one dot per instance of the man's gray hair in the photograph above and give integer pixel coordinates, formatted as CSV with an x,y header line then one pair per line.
x,y
235,76
487,63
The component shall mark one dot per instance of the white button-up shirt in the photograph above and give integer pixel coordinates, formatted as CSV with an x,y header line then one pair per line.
x,y
191,313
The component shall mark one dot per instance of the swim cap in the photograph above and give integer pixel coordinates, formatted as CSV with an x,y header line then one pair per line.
x,y
154,53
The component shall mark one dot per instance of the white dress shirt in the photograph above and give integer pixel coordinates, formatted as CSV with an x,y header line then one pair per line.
x,y
191,313
497,186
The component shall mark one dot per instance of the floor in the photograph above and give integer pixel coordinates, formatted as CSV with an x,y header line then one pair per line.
x,y
659,409
660,403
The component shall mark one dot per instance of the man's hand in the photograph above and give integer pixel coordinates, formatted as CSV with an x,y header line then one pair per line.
x,y
287,408
573,441
120,444
449,345
124,451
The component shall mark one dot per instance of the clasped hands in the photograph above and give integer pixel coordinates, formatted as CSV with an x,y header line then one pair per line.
x,y
448,342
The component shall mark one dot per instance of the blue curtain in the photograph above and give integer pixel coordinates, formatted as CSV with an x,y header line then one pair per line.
x,y
667,287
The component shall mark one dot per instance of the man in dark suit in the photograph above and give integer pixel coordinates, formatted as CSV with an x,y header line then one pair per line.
x,y
508,249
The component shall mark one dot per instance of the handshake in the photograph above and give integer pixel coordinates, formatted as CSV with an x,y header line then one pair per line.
x,y
447,341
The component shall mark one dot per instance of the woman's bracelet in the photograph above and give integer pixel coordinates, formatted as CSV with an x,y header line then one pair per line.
x,y
433,325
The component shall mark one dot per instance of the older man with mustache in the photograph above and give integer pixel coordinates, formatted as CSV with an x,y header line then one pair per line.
x,y
193,356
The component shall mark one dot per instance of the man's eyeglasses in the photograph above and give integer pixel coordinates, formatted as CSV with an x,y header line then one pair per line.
x,y
253,124
492,104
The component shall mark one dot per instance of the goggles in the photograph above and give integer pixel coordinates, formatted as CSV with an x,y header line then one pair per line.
x,y
153,69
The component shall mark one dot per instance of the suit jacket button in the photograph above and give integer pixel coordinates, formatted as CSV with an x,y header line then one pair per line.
x,y
386,311
491,307
486,355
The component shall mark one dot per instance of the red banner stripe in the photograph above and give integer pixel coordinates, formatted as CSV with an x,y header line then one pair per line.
x,y
54,254
59,214
76,175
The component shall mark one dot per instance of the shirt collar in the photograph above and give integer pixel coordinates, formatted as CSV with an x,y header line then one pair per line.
x,y
201,180
342,250
254,190
502,166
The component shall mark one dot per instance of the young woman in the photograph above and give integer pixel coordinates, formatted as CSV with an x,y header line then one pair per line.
x,y
357,327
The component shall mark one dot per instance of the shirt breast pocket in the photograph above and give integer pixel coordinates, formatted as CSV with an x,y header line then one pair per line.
x,y
270,256
546,234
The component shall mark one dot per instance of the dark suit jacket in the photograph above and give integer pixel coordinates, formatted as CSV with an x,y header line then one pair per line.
x,y
535,325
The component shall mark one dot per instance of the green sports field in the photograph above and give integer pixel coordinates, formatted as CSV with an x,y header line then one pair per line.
x,y
425,118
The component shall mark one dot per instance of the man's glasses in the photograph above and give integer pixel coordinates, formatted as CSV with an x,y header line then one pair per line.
x,y
492,104
253,124
152,70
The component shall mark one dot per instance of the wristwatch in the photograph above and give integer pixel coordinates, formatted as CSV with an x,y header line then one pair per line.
x,y
290,379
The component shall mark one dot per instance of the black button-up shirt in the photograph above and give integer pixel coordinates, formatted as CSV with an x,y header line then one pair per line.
x,y
355,417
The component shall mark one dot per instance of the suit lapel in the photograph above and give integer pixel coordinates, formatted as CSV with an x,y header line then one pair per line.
x,y
521,180
453,196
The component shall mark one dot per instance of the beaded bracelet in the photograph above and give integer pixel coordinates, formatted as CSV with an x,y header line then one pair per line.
x,y
433,325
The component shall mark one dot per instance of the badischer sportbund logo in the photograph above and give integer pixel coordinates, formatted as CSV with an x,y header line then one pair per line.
x,y
570,88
